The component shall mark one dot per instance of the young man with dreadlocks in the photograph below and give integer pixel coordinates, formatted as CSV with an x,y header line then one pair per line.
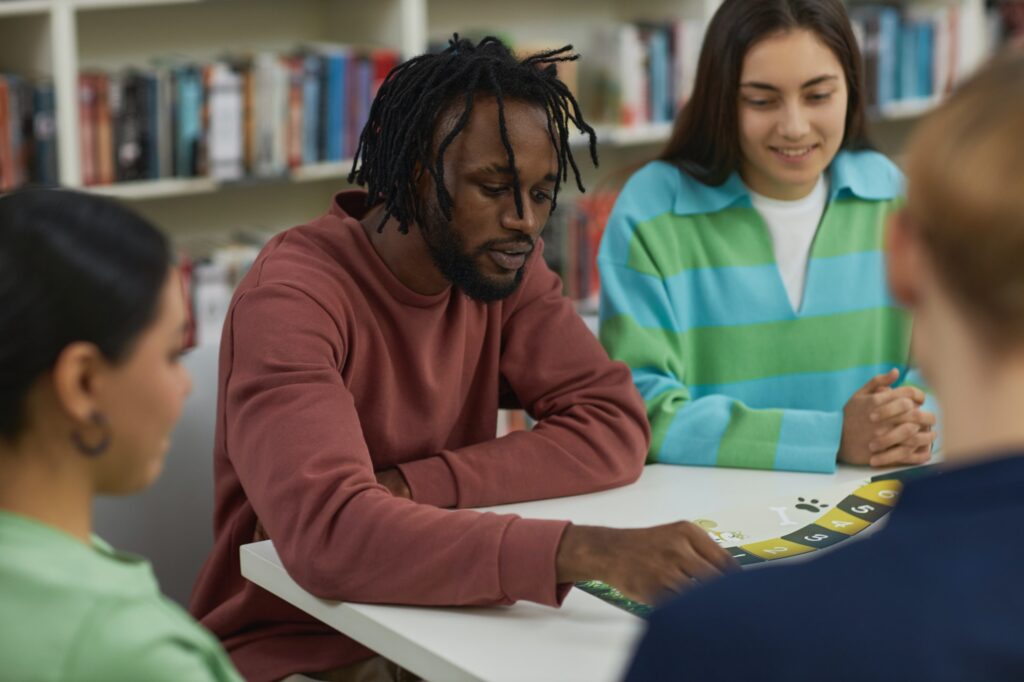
x,y
365,357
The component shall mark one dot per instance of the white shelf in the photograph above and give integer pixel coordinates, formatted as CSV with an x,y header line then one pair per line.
x,y
167,188
24,7
907,109
157,189
627,136
117,4
329,170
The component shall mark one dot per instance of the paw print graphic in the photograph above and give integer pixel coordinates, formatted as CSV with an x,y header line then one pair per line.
x,y
812,505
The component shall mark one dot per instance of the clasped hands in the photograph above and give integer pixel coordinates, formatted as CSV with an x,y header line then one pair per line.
x,y
885,426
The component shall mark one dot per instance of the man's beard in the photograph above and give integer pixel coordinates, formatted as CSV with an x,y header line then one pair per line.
x,y
448,251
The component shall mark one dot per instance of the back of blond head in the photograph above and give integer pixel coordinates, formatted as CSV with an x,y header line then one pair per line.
x,y
966,196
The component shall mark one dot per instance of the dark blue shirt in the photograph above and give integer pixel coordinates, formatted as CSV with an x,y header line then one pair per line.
x,y
935,595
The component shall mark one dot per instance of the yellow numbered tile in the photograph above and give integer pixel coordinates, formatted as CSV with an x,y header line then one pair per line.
x,y
841,522
776,549
884,492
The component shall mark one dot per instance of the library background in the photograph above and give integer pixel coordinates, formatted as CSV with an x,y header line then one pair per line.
x,y
226,121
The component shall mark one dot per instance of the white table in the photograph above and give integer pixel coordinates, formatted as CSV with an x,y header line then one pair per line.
x,y
586,639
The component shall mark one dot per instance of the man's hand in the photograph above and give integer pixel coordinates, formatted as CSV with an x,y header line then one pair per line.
x,y
394,481
645,564
884,426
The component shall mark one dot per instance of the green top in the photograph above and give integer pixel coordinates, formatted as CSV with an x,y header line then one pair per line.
x,y
73,612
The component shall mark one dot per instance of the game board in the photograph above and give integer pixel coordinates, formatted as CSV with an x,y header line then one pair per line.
x,y
788,528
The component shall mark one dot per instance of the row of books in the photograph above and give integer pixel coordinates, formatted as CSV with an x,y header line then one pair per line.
x,y
255,116
28,144
915,53
640,73
571,241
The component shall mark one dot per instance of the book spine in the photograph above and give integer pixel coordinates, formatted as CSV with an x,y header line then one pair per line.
x,y
335,99
87,128
6,158
295,114
44,132
310,109
106,104
225,138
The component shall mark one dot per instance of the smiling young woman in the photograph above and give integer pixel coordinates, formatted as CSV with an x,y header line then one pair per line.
x,y
742,273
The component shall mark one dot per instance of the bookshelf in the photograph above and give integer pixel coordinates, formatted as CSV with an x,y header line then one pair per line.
x,y
61,38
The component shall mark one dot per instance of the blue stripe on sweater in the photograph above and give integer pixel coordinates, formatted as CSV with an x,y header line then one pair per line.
x,y
803,391
732,296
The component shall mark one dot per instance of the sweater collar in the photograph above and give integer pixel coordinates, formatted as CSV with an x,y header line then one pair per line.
x,y
863,175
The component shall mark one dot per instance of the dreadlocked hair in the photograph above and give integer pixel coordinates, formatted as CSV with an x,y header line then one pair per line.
x,y
396,145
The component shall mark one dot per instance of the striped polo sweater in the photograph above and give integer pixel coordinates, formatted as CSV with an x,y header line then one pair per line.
x,y
693,301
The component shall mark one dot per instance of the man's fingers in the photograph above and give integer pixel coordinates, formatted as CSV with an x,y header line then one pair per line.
x,y
711,551
699,568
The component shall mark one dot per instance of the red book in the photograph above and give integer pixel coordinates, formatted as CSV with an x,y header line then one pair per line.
x,y
293,138
103,129
248,130
87,128
597,208
383,62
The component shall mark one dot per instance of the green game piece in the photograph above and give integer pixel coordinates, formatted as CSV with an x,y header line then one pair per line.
x,y
606,592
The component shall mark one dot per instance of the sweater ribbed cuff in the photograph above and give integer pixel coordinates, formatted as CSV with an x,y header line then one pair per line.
x,y
527,561
431,481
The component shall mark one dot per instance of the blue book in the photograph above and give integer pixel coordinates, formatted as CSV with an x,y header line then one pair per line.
x,y
188,134
365,99
311,109
908,62
925,59
658,75
44,132
888,55
335,106
152,123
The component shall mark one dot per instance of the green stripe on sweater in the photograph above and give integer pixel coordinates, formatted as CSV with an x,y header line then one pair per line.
x,y
751,438
722,355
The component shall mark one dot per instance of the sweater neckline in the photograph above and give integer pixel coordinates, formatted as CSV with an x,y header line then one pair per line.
x,y
350,206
